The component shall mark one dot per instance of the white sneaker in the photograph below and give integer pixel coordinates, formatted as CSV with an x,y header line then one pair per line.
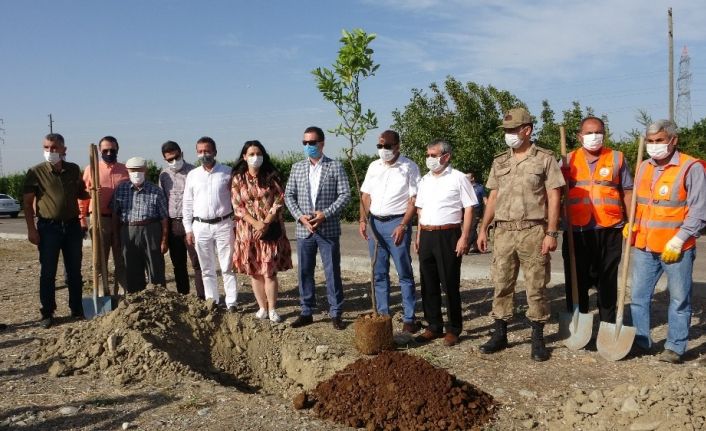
x,y
274,317
261,314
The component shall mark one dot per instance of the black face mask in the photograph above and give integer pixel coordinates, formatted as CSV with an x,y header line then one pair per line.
x,y
109,157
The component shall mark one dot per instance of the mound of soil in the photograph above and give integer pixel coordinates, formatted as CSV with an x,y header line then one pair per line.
x,y
155,335
396,391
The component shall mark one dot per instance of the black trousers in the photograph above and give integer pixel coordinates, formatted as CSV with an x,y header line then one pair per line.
x,y
440,269
178,251
598,254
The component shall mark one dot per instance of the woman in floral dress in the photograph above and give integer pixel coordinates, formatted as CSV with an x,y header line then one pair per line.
x,y
261,245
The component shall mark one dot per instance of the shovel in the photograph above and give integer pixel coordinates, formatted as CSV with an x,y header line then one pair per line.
x,y
96,305
577,327
615,340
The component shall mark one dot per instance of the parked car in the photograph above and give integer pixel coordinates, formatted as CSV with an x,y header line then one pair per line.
x,y
9,205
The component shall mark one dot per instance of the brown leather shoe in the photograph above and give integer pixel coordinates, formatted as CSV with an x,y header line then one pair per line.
x,y
450,339
411,328
428,336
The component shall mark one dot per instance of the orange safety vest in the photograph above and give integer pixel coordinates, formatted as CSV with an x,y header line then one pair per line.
x,y
661,207
595,194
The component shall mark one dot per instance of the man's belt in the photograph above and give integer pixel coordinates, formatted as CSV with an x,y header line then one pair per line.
x,y
429,227
213,220
58,221
519,225
386,218
141,222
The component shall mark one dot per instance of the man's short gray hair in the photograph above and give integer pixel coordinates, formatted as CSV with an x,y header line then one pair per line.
x,y
659,125
445,146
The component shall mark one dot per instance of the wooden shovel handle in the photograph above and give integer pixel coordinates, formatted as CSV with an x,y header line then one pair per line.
x,y
567,220
622,285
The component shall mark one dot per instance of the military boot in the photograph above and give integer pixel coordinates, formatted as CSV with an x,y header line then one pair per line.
x,y
498,341
539,350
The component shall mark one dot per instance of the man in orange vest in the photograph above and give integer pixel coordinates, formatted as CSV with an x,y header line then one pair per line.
x,y
671,210
600,188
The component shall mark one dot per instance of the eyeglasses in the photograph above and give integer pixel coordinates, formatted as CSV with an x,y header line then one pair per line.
x,y
109,151
386,146
312,143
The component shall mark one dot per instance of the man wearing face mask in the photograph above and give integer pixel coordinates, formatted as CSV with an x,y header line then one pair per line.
x,y
445,202
600,187
111,174
525,191
140,216
387,203
208,221
671,211
53,188
172,180
316,193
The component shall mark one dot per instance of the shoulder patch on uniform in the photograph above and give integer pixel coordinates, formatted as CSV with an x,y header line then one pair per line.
x,y
545,151
502,153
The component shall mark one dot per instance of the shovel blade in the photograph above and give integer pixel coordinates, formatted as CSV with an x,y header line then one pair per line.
x,y
614,340
576,329
102,305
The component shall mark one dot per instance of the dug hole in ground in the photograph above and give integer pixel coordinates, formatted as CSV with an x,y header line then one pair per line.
x,y
165,361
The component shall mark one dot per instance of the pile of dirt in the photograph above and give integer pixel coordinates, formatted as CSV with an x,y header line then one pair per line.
x,y
396,391
676,401
159,336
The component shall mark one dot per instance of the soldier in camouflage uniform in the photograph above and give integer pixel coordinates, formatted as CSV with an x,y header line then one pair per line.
x,y
525,183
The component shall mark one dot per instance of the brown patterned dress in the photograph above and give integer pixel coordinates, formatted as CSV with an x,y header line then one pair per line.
x,y
257,257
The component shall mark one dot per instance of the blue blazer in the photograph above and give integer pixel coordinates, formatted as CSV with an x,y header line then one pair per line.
x,y
334,194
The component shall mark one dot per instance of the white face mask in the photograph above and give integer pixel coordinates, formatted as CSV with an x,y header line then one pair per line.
x,y
434,164
176,164
386,155
513,140
255,161
593,141
658,151
137,178
52,158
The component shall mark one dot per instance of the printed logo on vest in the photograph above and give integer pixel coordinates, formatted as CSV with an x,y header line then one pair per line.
x,y
604,172
664,190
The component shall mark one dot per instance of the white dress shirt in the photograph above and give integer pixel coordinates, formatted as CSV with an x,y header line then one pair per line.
x,y
390,186
443,197
206,194
314,180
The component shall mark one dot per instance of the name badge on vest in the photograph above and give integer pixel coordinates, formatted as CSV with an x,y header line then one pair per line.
x,y
664,190
604,172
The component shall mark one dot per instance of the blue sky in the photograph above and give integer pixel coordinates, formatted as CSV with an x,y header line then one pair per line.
x,y
151,70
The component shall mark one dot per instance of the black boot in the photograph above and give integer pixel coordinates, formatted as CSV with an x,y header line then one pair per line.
x,y
539,350
498,341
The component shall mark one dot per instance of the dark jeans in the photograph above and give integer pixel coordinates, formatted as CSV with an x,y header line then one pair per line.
x,y
598,254
141,251
440,269
331,258
475,220
67,238
178,251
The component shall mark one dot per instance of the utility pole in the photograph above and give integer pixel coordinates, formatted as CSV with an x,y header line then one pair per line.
x,y
671,66
2,144
51,123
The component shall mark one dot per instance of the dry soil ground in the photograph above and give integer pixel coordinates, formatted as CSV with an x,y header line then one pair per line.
x,y
204,369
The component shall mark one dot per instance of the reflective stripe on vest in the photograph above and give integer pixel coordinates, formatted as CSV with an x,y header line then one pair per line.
x,y
661,204
595,195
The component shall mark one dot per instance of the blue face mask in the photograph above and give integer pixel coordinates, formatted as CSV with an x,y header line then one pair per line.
x,y
312,151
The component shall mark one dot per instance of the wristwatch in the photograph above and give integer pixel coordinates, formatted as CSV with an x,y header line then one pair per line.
x,y
403,226
554,234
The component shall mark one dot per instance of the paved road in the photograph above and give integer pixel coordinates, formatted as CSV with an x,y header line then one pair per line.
x,y
355,256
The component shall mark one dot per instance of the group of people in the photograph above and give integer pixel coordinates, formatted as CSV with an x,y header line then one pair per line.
x,y
233,218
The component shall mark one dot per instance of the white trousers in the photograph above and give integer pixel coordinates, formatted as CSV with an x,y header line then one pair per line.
x,y
214,243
